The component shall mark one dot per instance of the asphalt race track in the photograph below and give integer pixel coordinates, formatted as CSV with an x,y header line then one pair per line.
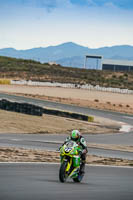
x,y
40,182
46,142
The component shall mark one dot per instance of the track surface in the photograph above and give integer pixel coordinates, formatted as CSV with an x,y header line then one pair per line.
x,y
42,142
40,181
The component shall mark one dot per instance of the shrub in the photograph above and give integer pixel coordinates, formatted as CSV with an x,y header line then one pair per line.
x,y
96,100
126,75
127,106
114,76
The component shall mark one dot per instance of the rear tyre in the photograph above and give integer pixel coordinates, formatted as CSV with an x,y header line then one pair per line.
x,y
79,178
62,172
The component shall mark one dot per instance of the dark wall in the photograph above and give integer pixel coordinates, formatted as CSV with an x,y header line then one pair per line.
x,y
117,67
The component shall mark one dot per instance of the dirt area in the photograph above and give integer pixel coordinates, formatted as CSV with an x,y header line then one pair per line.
x,y
25,155
81,97
11,122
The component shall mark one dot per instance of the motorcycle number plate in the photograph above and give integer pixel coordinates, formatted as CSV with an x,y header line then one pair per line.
x,y
68,149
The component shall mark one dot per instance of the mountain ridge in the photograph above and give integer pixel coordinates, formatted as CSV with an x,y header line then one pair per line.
x,y
69,53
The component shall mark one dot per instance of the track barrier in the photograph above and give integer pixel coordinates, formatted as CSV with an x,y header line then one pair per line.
x,y
68,85
5,82
21,107
68,114
32,109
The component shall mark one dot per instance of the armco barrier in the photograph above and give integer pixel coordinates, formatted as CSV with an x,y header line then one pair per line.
x,y
31,109
21,107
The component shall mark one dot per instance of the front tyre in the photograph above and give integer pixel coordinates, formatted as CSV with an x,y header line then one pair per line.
x,y
62,172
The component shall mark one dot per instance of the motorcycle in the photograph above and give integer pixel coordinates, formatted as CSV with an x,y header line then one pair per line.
x,y
70,162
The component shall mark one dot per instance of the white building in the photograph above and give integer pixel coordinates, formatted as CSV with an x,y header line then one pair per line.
x,y
107,64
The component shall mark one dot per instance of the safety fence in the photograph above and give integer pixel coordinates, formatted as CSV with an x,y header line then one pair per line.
x,y
32,109
68,85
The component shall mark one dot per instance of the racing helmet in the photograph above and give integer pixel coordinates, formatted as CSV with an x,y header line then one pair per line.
x,y
75,135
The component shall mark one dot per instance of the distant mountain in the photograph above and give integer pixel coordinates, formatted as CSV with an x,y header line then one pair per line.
x,y
69,54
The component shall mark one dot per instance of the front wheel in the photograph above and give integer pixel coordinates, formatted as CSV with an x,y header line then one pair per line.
x,y
62,172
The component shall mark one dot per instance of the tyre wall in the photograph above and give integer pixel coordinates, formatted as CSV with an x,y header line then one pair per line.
x,y
32,109
21,107
67,114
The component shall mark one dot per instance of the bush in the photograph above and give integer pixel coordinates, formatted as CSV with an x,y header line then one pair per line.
x,y
126,75
113,76
96,100
127,106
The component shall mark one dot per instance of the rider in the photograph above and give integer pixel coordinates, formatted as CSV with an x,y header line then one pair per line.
x,y
79,139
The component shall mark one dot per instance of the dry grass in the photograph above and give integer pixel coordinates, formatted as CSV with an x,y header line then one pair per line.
x,y
25,155
11,122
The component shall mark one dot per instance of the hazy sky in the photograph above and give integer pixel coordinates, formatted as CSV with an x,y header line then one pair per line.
x,y
25,24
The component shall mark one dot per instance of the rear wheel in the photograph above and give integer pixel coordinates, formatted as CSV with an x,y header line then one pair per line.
x,y
79,178
62,172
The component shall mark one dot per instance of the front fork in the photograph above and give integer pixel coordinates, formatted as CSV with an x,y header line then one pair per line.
x,y
70,171
69,163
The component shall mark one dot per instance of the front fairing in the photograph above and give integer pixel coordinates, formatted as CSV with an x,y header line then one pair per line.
x,y
69,153
70,149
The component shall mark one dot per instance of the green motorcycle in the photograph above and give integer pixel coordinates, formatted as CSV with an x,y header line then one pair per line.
x,y
70,162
